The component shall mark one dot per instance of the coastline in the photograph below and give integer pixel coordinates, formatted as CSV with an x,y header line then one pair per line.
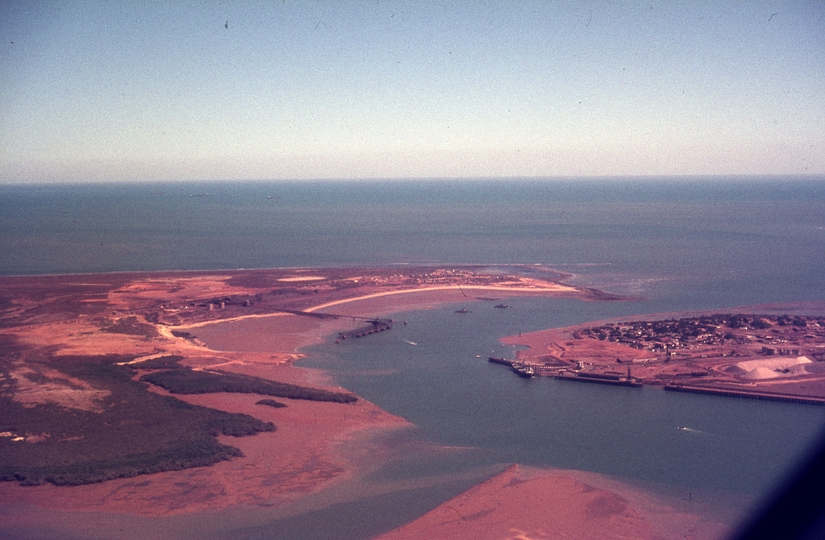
x,y
306,457
528,500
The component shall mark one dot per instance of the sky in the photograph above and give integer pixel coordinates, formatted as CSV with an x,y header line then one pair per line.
x,y
175,90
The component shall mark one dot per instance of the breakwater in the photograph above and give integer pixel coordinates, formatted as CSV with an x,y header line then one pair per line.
x,y
745,394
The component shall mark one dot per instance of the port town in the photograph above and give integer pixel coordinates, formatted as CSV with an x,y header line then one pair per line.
x,y
769,356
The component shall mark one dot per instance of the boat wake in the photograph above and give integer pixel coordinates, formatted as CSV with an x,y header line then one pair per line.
x,y
691,430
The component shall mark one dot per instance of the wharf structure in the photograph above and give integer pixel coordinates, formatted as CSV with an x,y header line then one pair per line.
x,y
629,381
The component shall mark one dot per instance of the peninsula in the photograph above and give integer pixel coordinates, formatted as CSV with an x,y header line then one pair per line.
x,y
760,356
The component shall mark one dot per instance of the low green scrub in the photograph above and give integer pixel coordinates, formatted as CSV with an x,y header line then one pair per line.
x,y
135,432
188,381
271,403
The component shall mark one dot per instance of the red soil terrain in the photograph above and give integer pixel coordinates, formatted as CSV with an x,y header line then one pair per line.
x,y
59,333
62,336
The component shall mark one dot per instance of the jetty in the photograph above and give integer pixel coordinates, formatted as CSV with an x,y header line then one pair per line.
x,y
375,326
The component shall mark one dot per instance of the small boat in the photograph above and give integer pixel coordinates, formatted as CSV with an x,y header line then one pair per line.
x,y
462,310
501,306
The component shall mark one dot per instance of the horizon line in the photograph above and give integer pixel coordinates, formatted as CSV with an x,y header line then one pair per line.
x,y
550,178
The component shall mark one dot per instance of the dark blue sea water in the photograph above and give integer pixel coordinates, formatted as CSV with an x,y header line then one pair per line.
x,y
690,243
678,244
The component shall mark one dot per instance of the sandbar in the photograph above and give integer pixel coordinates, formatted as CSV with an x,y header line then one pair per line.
x,y
525,502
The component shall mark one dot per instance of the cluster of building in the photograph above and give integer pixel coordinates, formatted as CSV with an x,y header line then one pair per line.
x,y
778,335
443,276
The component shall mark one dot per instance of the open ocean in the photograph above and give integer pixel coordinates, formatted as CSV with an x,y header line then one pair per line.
x,y
691,243
676,243
758,239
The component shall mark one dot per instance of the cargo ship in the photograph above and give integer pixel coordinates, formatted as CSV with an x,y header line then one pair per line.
x,y
613,380
522,370
499,360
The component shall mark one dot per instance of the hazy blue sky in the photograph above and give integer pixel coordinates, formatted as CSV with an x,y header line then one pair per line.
x,y
165,90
